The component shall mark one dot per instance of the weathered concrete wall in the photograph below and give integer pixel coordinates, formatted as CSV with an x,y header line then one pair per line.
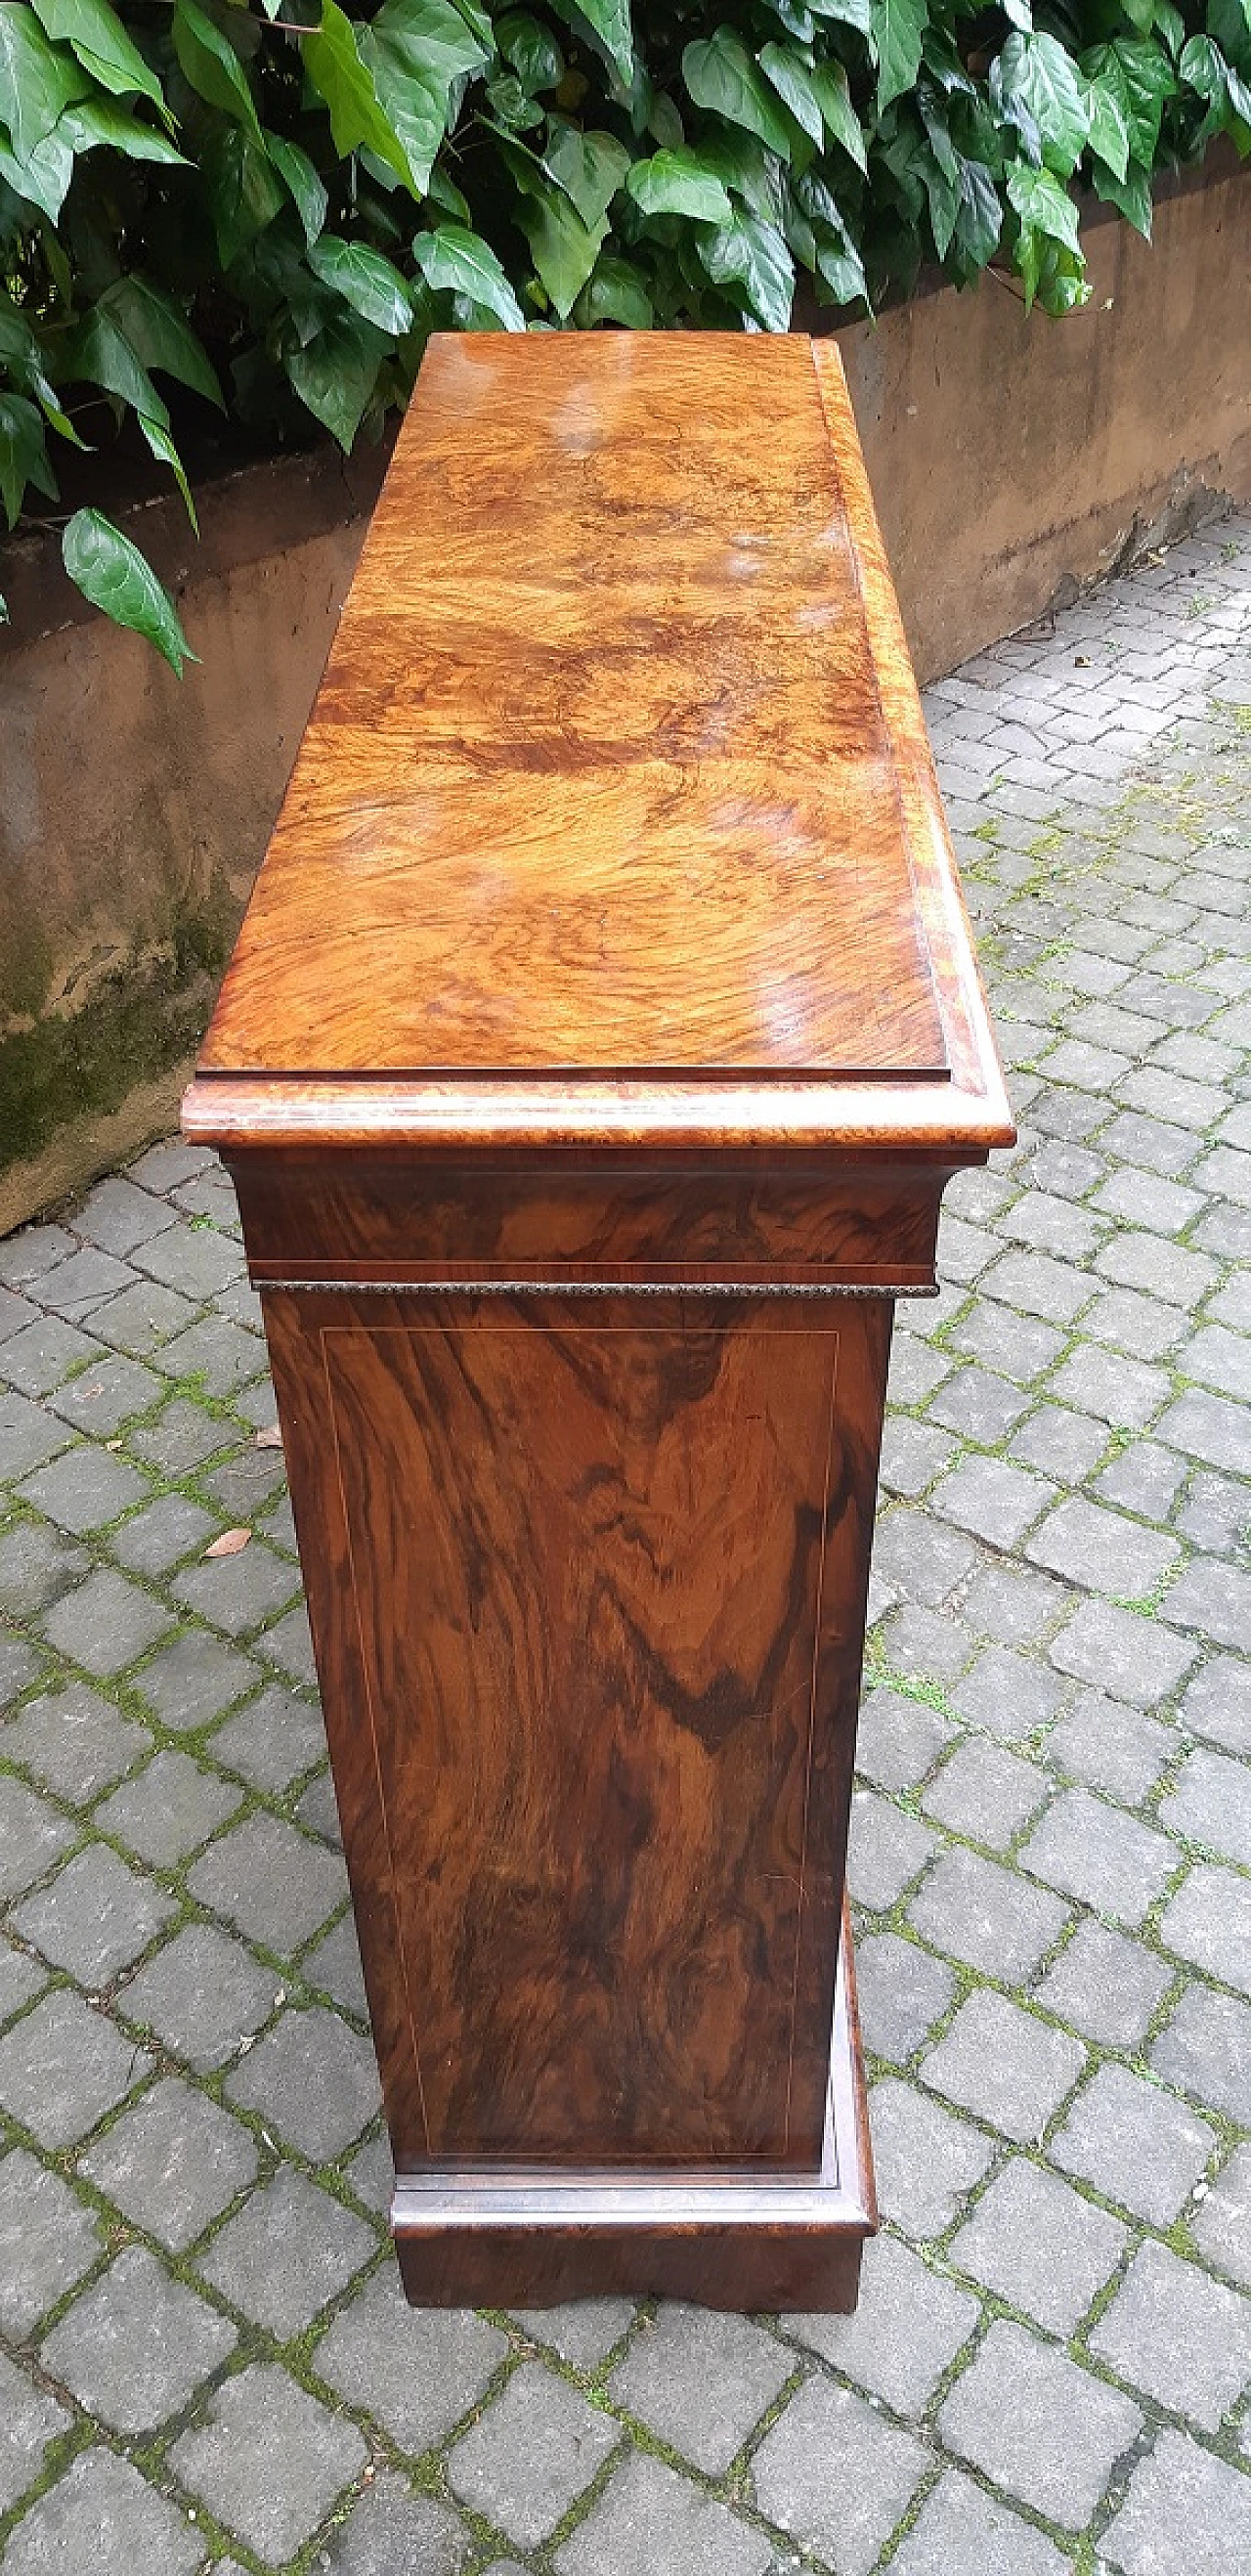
x,y
1011,457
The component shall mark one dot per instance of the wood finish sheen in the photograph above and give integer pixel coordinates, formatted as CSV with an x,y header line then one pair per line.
x,y
601,1036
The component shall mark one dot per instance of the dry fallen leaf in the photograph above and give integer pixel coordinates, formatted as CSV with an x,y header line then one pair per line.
x,y
231,1543
270,1439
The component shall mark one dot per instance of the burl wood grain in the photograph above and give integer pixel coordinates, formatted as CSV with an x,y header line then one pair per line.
x,y
587,1588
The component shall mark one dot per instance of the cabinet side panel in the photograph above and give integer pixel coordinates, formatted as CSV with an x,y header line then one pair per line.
x,y
577,1597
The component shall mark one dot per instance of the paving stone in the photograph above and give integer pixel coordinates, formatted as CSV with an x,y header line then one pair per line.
x,y
1186,2510
171,1165
902,1990
313,2080
106,1623
1136,2144
171,1528
1101,1550
836,2476
29,2420
1215,1599
273,1741
201,1995
142,1318
1007,1694
915,1370
925,2159
1058,2442
63,2067
417,2371
701,2381
1117,1651
20,1979
334,1964
1178,2336
1140,1326
961,2531
1206,2050
986,1915
287,2251
199,1262
1011,1603
909,2325
38,1358
82,1281
583,2332
194,1680
269,2461
1218,1704
371,2175
135,2346
28,1435
289,1645
182,1438
1216,1513
1210,1803
1145,1198
117,1216
932,1645
1020,1346
1221,2226
19,1667
1143,1479
1110,1746
237,1592
95,1916
173,2162
391,2532
275,1884
899,1739
1063,1445
650,2522
243,1485
169,1811
979,1406
26,1256
36,1566
102,1398
921,1556
1003,2064
48,2239
886,1850
84,1488
221,1354
1208,1427
1036,2243
74,1742
1208,1922
993,1500
1097,1853
986,1792
102,2516
913,1453
533,2452
1037,1285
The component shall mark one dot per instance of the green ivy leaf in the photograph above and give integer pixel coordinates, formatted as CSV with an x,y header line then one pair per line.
x,y
564,248
456,261
159,333
609,20
340,77
753,255
165,452
1037,72
211,67
242,187
1140,77
307,192
1042,203
720,75
114,576
97,121
1131,195
898,30
23,454
590,168
1108,131
849,13
365,280
100,353
35,82
531,49
829,81
97,36
616,292
680,183
979,214
336,374
43,177
794,84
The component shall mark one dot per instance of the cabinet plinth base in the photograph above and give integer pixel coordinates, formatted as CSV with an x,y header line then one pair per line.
x,y
740,2241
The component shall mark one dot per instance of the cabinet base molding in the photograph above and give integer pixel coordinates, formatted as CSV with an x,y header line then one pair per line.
x,y
761,2241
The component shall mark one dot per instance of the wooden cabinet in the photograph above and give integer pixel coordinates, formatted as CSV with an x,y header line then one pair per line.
x,y
600,1036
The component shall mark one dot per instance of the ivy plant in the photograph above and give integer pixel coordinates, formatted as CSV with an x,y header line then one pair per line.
x,y
266,206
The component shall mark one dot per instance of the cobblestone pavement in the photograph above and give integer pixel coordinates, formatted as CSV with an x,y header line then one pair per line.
x,y
206,2360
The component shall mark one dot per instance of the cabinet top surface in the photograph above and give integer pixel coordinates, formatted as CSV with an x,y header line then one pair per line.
x,y
617,770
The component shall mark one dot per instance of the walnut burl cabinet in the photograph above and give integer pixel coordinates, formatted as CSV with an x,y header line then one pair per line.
x,y
600,1036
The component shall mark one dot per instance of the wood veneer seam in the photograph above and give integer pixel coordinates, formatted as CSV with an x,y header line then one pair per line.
x,y
589,1288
